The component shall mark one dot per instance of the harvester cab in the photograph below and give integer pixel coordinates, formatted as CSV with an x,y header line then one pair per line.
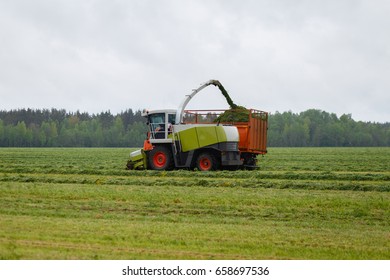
x,y
160,124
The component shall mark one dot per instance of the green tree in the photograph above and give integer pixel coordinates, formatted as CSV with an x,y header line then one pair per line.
x,y
136,135
2,133
20,135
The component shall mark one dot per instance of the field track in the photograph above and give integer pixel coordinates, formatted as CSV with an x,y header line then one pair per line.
x,y
303,203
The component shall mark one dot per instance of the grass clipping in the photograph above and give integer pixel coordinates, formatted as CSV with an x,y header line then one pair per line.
x,y
235,113
238,114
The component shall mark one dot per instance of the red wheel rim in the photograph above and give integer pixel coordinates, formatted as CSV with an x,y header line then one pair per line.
x,y
159,159
205,163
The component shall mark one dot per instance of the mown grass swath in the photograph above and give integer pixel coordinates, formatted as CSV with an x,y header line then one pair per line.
x,y
303,203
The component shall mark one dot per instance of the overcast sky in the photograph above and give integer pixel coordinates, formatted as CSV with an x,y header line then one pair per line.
x,y
279,55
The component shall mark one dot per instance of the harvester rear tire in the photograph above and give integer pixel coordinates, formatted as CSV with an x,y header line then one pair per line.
x,y
160,158
206,162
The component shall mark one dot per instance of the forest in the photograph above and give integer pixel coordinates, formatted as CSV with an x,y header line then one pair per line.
x,y
316,128
59,128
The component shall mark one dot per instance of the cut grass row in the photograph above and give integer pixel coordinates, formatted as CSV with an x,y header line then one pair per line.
x,y
358,182
153,222
136,222
112,161
363,169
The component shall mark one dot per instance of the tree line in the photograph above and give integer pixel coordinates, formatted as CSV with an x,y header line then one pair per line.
x,y
316,128
58,128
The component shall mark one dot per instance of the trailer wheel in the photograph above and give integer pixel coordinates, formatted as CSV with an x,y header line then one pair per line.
x,y
206,162
160,158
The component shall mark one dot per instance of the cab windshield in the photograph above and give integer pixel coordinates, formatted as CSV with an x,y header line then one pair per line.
x,y
159,129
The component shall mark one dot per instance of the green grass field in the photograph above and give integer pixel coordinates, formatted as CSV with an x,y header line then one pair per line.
x,y
304,203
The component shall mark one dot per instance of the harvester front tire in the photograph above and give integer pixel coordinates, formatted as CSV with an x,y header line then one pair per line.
x,y
206,162
160,158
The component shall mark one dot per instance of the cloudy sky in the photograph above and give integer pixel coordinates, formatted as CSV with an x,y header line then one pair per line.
x,y
279,55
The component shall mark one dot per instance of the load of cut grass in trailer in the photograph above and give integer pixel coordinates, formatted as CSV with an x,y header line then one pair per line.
x,y
235,113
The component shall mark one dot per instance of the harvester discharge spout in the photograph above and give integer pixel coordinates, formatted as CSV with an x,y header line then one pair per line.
x,y
180,111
